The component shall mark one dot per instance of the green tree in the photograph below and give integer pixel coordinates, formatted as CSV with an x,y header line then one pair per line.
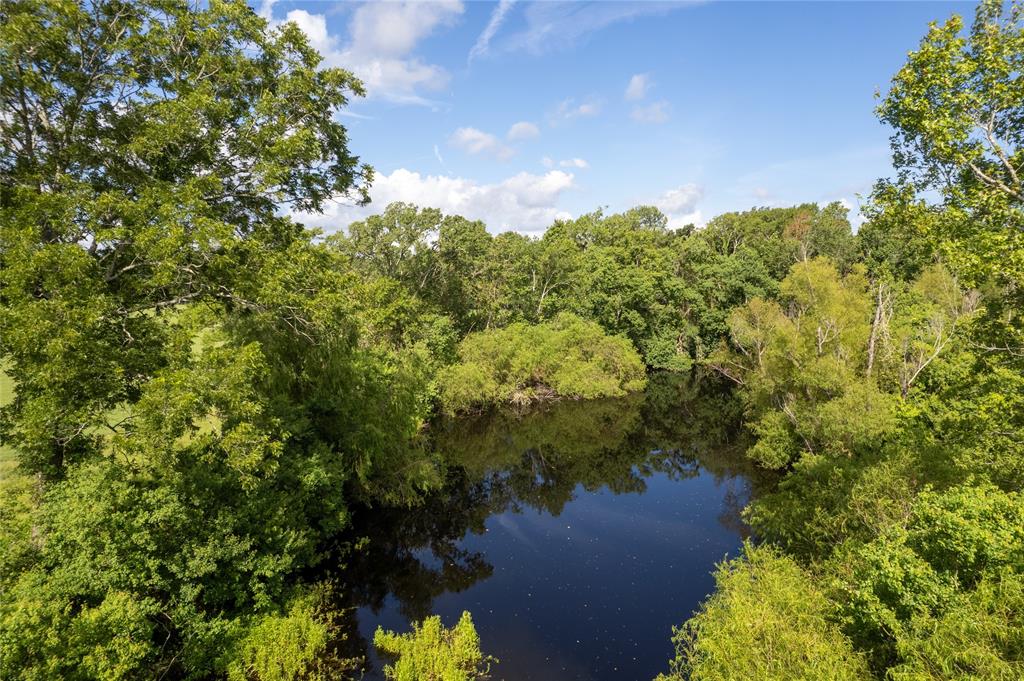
x,y
522,363
146,150
956,108
767,620
396,244
818,367
178,348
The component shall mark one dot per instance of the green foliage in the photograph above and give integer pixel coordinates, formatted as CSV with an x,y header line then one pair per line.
x,y
567,357
766,620
915,532
815,365
956,108
950,543
776,441
979,636
117,207
668,291
287,646
177,348
782,236
895,239
430,652
174,347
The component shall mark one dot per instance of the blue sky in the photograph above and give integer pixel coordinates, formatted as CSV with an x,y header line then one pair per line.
x,y
517,113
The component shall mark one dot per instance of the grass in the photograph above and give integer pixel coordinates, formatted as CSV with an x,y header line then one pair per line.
x,y
8,461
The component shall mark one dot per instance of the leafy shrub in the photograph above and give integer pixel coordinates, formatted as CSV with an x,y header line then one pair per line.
x,y
430,652
283,647
952,541
522,363
766,620
980,637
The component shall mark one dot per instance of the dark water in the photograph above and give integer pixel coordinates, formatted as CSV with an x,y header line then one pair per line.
x,y
576,535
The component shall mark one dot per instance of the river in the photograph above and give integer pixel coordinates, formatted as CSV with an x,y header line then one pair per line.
x,y
577,534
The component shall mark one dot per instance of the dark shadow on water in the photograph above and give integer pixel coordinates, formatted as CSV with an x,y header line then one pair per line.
x,y
652,484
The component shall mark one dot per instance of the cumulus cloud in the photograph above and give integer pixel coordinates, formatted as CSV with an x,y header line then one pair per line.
x,y
638,86
380,44
653,113
523,130
475,141
680,205
681,199
483,43
524,202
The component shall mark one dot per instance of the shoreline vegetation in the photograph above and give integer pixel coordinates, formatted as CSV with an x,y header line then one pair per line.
x,y
200,393
522,364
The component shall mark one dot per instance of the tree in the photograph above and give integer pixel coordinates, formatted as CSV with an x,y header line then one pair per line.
x,y
897,587
146,149
396,244
956,108
178,348
818,367
522,363
766,620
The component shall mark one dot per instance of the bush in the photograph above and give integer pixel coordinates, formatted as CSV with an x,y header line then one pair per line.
x,y
523,363
432,653
283,647
766,620
980,637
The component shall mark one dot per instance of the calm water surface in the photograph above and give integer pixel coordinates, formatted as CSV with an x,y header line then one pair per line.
x,y
576,535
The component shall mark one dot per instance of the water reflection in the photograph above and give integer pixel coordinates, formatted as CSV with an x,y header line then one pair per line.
x,y
509,467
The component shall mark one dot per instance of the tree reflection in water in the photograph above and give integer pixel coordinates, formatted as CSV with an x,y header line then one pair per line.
x,y
508,460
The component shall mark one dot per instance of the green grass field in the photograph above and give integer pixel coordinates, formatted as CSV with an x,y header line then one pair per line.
x,y
7,460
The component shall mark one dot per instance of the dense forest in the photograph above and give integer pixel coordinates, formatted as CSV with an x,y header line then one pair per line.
x,y
200,393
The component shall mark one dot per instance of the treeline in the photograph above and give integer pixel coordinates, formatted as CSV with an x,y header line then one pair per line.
x,y
668,291
486,302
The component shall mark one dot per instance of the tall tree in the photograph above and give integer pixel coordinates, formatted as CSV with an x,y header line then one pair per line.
x,y
145,151
957,108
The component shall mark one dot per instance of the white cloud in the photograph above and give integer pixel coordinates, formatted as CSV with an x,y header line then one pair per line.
x,y
681,199
523,130
568,110
556,25
680,205
382,37
393,28
547,162
439,157
761,194
483,43
653,113
524,202
475,141
638,86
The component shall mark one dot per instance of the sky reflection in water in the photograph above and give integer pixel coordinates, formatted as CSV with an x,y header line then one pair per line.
x,y
576,535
